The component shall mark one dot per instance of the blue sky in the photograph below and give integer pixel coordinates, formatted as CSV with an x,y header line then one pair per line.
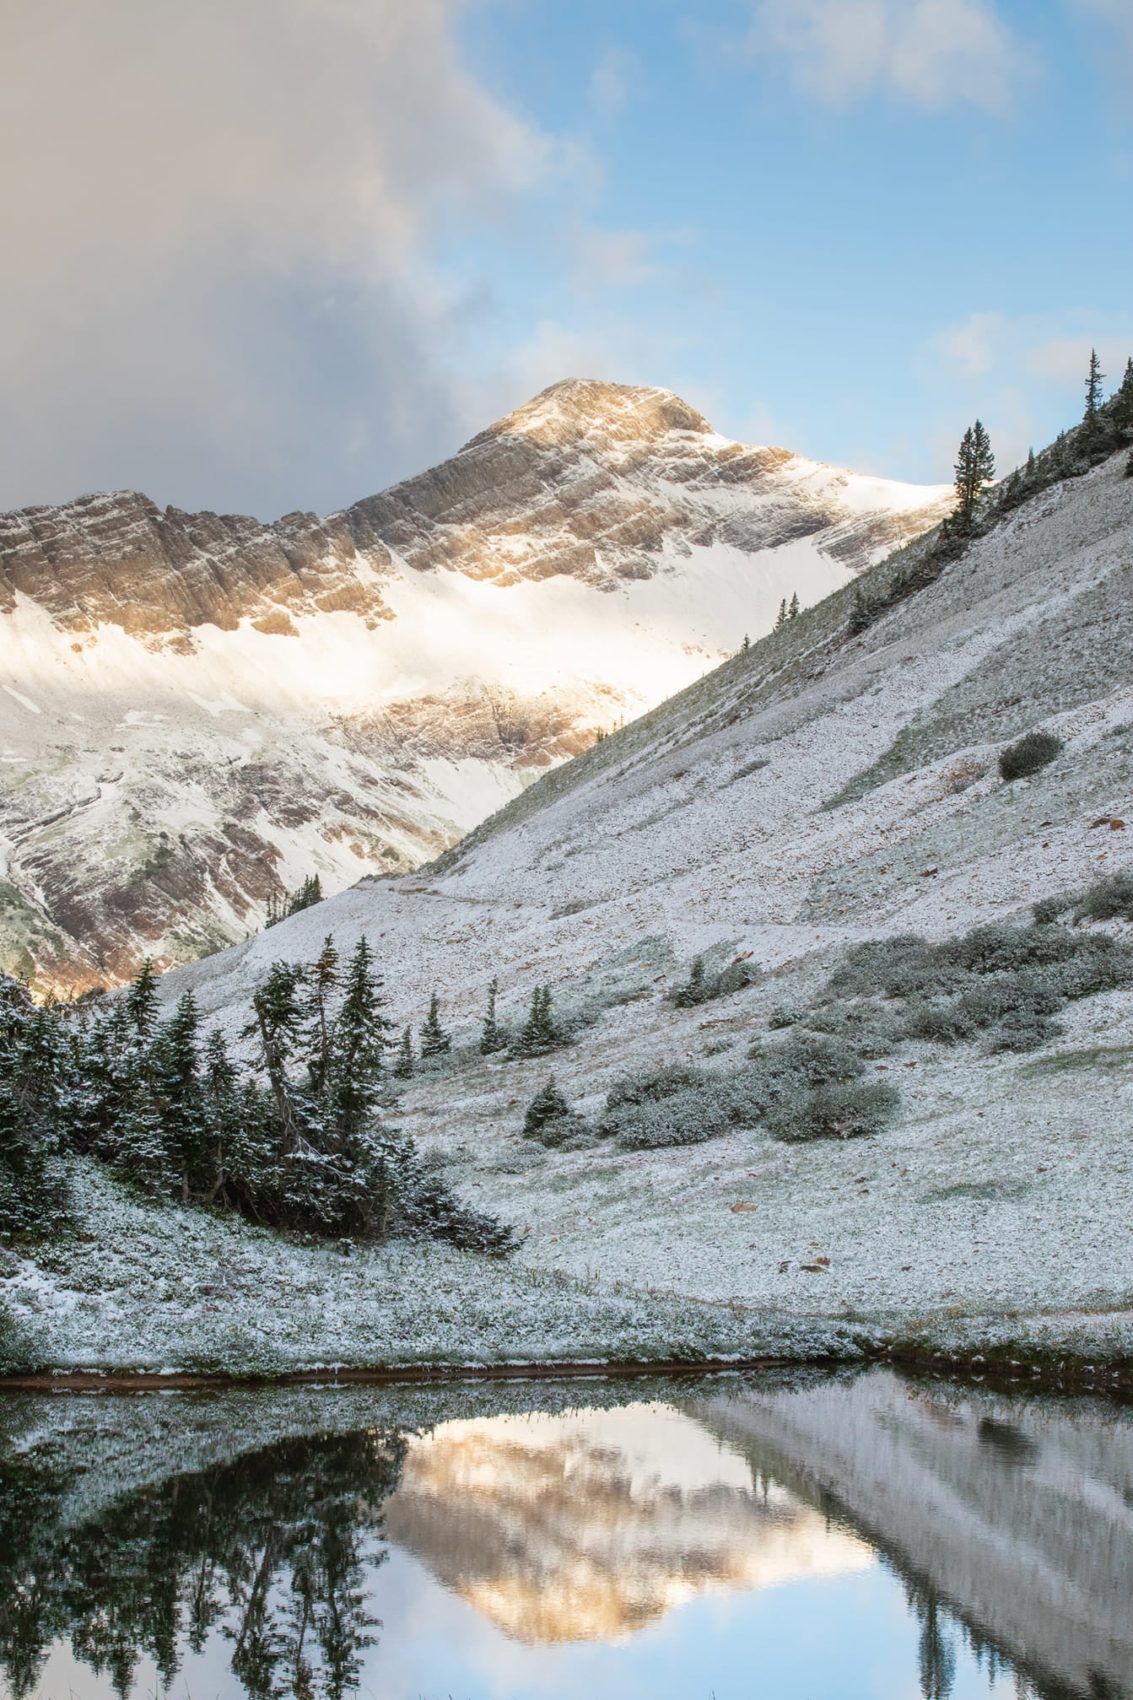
x,y
278,255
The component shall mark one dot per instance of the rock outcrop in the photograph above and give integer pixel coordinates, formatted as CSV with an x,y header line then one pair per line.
x,y
197,709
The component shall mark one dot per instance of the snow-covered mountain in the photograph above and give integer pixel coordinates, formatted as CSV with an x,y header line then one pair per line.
x,y
199,710
837,783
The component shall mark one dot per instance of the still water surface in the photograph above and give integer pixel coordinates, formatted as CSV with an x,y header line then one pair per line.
x,y
792,1538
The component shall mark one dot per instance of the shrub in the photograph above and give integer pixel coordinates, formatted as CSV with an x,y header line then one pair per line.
x,y
1048,909
1022,1030
844,1109
650,1085
702,986
815,1059
783,1017
686,1118
938,1023
1109,899
900,967
1034,750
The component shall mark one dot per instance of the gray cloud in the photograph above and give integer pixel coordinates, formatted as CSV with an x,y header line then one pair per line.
x,y
217,221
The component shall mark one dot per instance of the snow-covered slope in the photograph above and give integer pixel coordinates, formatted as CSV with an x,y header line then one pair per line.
x,y
822,788
197,710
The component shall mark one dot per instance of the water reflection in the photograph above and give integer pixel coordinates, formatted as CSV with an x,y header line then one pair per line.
x,y
855,1535
587,1527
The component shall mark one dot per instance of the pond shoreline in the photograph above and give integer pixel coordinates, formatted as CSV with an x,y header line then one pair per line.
x,y
1068,1373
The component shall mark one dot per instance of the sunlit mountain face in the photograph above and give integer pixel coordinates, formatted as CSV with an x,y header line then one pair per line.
x,y
589,1528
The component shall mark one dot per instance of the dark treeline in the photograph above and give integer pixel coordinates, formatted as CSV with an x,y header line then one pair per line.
x,y
295,1138
275,1551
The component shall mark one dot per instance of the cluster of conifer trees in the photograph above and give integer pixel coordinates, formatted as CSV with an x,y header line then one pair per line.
x,y
295,1139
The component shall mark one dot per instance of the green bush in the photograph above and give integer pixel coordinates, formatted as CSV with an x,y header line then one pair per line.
x,y
686,1118
1109,899
652,1084
1034,750
702,986
844,1109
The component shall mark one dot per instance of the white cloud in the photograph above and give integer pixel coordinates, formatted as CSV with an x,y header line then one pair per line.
x,y
613,81
931,53
217,221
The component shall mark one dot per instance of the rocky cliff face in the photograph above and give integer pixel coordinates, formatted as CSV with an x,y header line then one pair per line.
x,y
197,710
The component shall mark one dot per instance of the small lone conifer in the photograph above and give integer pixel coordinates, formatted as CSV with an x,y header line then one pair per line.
x,y
434,1040
975,467
1093,386
492,1036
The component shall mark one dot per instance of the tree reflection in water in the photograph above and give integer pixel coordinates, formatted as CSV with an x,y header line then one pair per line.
x,y
271,1549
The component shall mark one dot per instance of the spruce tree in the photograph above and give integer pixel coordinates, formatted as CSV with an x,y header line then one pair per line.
x,y
434,1040
1094,379
548,1105
179,1098
975,467
361,1036
793,610
539,1032
405,1063
492,1035
1123,401
277,1027
782,619
745,645
321,985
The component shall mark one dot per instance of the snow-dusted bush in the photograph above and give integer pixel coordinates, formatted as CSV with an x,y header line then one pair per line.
x,y
1034,750
843,1109
903,966
814,1059
651,1084
1109,899
938,1023
783,1015
552,1122
703,984
685,1118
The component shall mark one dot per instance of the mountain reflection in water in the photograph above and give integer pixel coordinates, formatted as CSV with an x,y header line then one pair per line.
x,y
855,1535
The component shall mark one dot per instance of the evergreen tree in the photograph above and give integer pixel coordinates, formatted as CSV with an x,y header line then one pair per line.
x,y
975,467
180,1103
492,1035
1123,400
434,1040
782,619
361,1036
1093,386
140,1002
745,645
321,985
35,1101
539,1032
548,1105
405,1063
277,1027
695,989
793,610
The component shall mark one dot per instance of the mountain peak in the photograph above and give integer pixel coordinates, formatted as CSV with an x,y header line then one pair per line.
x,y
579,407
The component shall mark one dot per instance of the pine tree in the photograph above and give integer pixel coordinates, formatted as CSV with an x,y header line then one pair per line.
x,y
745,645
35,1082
321,985
975,467
695,989
782,619
405,1063
793,610
179,1099
277,1026
434,1040
539,1032
548,1105
492,1035
1123,400
1094,379
140,1001
361,1036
